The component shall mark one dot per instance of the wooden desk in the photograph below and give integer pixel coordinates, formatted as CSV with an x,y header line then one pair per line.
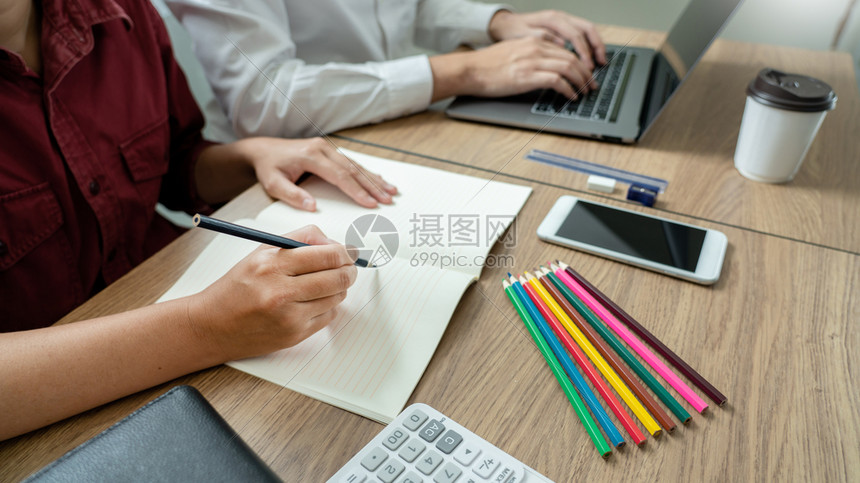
x,y
691,145
778,335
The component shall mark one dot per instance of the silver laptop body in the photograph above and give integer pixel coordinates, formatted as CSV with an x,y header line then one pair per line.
x,y
646,82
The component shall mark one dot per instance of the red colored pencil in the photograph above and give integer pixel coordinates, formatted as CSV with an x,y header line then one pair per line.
x,y
595,379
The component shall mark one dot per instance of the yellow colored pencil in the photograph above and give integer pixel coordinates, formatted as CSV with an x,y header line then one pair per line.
x,y
638,409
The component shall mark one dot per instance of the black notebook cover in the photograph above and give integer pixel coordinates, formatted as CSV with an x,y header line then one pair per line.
x,y
176,437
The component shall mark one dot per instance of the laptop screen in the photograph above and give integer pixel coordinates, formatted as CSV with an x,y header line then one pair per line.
x,y
699,24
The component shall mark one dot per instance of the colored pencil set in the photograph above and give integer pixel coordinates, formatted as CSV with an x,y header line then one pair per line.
x,y
577,329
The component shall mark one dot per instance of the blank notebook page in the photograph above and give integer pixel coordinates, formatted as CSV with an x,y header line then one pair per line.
x,y
370,358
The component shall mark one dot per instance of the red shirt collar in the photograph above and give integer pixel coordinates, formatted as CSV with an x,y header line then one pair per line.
x,y
71,17
67,34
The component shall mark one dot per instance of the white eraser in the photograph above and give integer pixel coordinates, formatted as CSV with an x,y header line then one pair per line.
x,y
600,183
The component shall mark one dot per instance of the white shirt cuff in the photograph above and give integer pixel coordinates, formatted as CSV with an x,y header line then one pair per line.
x,y
479,17
410,84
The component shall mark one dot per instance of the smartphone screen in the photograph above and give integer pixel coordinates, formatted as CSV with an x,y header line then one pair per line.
x,y
638,236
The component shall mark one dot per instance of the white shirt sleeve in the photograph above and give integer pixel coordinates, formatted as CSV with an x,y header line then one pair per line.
x,y
250,61
444,25
250,58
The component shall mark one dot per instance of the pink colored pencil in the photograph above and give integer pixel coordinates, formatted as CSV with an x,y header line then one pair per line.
x,y
703,384
683,389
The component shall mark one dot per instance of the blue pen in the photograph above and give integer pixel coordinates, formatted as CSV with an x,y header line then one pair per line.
x,y
578,381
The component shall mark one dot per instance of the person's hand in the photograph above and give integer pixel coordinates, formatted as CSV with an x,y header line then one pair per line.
x,y
553,26
278,163
274,298
508,68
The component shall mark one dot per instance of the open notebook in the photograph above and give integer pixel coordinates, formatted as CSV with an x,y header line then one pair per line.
x,y
370,358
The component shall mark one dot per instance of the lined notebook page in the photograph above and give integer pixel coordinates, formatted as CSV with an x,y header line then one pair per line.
x,y
371,357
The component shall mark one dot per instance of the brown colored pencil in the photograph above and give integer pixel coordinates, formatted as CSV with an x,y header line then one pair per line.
x,y
659,414
649,338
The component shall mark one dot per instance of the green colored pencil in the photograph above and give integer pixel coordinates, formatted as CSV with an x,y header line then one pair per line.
x,y
581,411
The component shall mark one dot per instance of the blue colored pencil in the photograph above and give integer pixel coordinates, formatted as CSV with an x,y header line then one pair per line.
x,y
585,391
575,401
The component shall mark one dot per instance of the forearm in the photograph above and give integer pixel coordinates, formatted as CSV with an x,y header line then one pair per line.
x,y
454,75
223,171
49,374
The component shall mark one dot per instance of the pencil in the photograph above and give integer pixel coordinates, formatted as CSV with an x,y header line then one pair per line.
x,y
578,406
646,419
613,361
649,357
240,231
543,325
594,326
560,335
650,338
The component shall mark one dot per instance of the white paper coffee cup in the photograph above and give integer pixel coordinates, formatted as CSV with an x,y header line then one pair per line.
x,y
782,115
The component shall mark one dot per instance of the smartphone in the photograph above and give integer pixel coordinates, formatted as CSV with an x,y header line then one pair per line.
x,y
670,247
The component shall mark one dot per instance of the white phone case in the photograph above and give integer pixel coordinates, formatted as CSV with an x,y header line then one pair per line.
x,y
708,267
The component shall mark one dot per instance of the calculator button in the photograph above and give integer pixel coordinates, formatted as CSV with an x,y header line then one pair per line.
x,y
415,420
486,466
449,441
431,430
373,459
504,473
355,476
390,470
423,445
411,477
411,450
429,462
448,474
466,453
395,439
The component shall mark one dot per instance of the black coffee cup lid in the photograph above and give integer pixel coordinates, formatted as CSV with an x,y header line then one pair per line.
x,y
793,92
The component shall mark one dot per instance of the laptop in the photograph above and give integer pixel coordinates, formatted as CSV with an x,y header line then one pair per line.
x,y
635,85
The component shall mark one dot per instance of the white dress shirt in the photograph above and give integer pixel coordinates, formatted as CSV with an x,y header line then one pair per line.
x,y
299,68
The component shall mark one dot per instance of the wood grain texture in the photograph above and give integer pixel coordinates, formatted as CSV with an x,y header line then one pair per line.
x,y
691,145
777,334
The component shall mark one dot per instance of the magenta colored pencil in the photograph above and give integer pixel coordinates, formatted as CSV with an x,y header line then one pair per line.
x,y
651,339
683,389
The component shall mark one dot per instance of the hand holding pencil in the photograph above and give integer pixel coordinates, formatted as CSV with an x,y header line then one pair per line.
x,y
274,298
241,231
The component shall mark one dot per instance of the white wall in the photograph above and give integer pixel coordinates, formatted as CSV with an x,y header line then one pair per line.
x,y
796,23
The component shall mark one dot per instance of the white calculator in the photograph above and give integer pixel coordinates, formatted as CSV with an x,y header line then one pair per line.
x,y
423,445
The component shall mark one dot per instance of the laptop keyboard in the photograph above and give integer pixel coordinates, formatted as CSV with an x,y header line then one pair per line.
x,y
598,105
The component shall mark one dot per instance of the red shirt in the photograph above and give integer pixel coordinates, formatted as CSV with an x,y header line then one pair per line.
x,y
87,149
